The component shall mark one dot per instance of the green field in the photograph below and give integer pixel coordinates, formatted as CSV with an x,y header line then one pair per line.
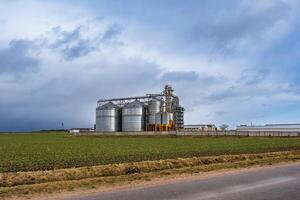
x,y
27,152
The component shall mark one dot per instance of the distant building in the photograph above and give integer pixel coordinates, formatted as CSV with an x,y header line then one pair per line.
x,y
78,130
200,127
270,127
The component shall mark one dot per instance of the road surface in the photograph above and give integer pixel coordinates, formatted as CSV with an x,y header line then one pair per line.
x,y
281,182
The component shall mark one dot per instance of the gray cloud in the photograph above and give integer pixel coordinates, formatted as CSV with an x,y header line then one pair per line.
x,y
112,32
82,48
71,44
65,37
16,59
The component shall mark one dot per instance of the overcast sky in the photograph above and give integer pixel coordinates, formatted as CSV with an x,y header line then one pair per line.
x,y
230,61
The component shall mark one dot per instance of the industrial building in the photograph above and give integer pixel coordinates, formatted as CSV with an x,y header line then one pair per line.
x,y
200,127
270,128
152,112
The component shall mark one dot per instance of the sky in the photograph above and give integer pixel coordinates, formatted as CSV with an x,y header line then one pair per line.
x,y
231,61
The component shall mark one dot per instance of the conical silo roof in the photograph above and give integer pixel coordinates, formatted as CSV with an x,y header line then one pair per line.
x,y
135,103
108,105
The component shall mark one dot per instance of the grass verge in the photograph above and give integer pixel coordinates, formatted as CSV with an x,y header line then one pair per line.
x,y
28,183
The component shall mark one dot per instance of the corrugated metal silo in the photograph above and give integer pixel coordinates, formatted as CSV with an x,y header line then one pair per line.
x,y
163,118
107,118
154,107
158,118
166,117
133,116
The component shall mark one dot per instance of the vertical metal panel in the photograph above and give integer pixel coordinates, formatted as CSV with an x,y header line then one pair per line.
x,y
165,117
158,118
107,118
133,116
154,107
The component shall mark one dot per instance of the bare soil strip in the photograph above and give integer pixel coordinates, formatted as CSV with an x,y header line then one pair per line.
x,y
25,184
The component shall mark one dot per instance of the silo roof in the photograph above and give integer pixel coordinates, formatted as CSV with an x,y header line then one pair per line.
x,y
108,105
135,103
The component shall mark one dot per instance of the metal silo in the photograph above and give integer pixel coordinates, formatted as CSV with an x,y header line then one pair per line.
x,y
133,116
163,118
154,107
107,118
158,118
166,117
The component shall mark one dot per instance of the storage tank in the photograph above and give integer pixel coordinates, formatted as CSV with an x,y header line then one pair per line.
x,y
158,118
166,117
133,116
154,107
107,118
163,118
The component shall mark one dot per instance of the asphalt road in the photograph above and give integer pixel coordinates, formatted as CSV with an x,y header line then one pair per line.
x,y
281,182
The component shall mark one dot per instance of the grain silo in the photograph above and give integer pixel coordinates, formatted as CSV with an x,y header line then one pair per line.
x,y
107,118
133,117
154,107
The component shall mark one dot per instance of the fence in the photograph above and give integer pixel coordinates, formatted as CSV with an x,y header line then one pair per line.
x,y
197,133
239,133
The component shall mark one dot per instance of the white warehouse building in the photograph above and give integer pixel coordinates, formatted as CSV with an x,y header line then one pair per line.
x,y
270,128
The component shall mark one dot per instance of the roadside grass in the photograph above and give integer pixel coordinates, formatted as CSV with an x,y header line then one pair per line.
x,y
26,184
48,151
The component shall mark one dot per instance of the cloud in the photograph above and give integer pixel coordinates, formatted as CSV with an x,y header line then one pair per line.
x,y
112,32
16,59
82,48
71,44
78,43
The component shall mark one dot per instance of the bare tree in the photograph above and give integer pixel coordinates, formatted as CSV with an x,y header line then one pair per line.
x,y
224,127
